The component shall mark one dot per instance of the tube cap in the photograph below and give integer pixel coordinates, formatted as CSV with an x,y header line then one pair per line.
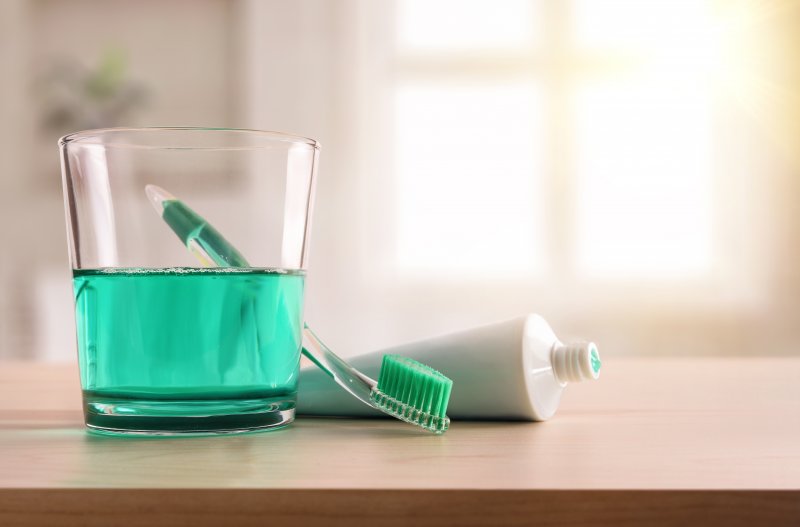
x,y
576,362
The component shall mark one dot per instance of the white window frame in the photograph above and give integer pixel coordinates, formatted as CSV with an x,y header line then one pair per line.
x,y
738,280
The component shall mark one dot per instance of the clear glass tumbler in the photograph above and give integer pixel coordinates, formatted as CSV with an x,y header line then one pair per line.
x,y
188,248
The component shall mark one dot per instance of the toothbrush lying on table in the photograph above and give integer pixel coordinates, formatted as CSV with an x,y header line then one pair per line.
x,y
405,389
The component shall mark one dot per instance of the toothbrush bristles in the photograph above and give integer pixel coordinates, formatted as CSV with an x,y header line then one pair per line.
x,y
413,392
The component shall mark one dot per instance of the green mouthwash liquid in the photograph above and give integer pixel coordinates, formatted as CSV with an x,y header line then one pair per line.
x,y
188,349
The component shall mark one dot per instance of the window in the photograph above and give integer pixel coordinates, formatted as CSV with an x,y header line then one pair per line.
x,y
467,213
563,137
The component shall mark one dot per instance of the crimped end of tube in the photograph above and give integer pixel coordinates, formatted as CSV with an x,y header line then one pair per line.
x,y
413,392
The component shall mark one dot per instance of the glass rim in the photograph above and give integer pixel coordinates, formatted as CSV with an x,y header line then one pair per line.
x,y
87,136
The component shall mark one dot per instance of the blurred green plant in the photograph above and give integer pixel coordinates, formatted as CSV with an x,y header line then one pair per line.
x,y
78,98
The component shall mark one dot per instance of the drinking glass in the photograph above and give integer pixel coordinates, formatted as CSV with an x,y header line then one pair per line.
x,y
188,249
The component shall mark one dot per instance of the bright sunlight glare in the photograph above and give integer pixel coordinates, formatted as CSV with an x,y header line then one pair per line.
x,y
644,168
470,159
470,25
467,188
644,195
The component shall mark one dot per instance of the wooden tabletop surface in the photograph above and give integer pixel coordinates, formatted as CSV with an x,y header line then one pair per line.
x,y
663,441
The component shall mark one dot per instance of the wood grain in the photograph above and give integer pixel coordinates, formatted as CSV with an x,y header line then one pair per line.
x,y
247,507
666,442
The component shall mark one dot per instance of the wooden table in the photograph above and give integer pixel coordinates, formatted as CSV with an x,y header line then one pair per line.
x,y
655,442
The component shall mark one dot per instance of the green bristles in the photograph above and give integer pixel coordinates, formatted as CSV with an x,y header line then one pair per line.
x,y
413,392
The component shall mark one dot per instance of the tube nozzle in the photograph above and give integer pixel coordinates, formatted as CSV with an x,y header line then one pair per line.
x,y
576,362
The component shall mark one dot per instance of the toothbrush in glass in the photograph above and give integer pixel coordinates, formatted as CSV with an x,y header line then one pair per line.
x,y
405,389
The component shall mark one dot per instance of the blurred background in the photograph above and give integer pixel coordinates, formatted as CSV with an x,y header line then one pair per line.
x,y
628,169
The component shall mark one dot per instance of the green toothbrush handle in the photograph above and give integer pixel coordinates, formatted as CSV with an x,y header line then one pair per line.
x,y
215,251
201,237
412,387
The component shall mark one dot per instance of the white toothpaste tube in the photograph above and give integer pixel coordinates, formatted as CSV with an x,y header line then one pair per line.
x,y
513,370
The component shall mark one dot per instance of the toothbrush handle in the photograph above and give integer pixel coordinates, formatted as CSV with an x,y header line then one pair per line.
x,y
212,249
353,381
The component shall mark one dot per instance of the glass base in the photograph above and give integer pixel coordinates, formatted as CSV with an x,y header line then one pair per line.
x,y
126,416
